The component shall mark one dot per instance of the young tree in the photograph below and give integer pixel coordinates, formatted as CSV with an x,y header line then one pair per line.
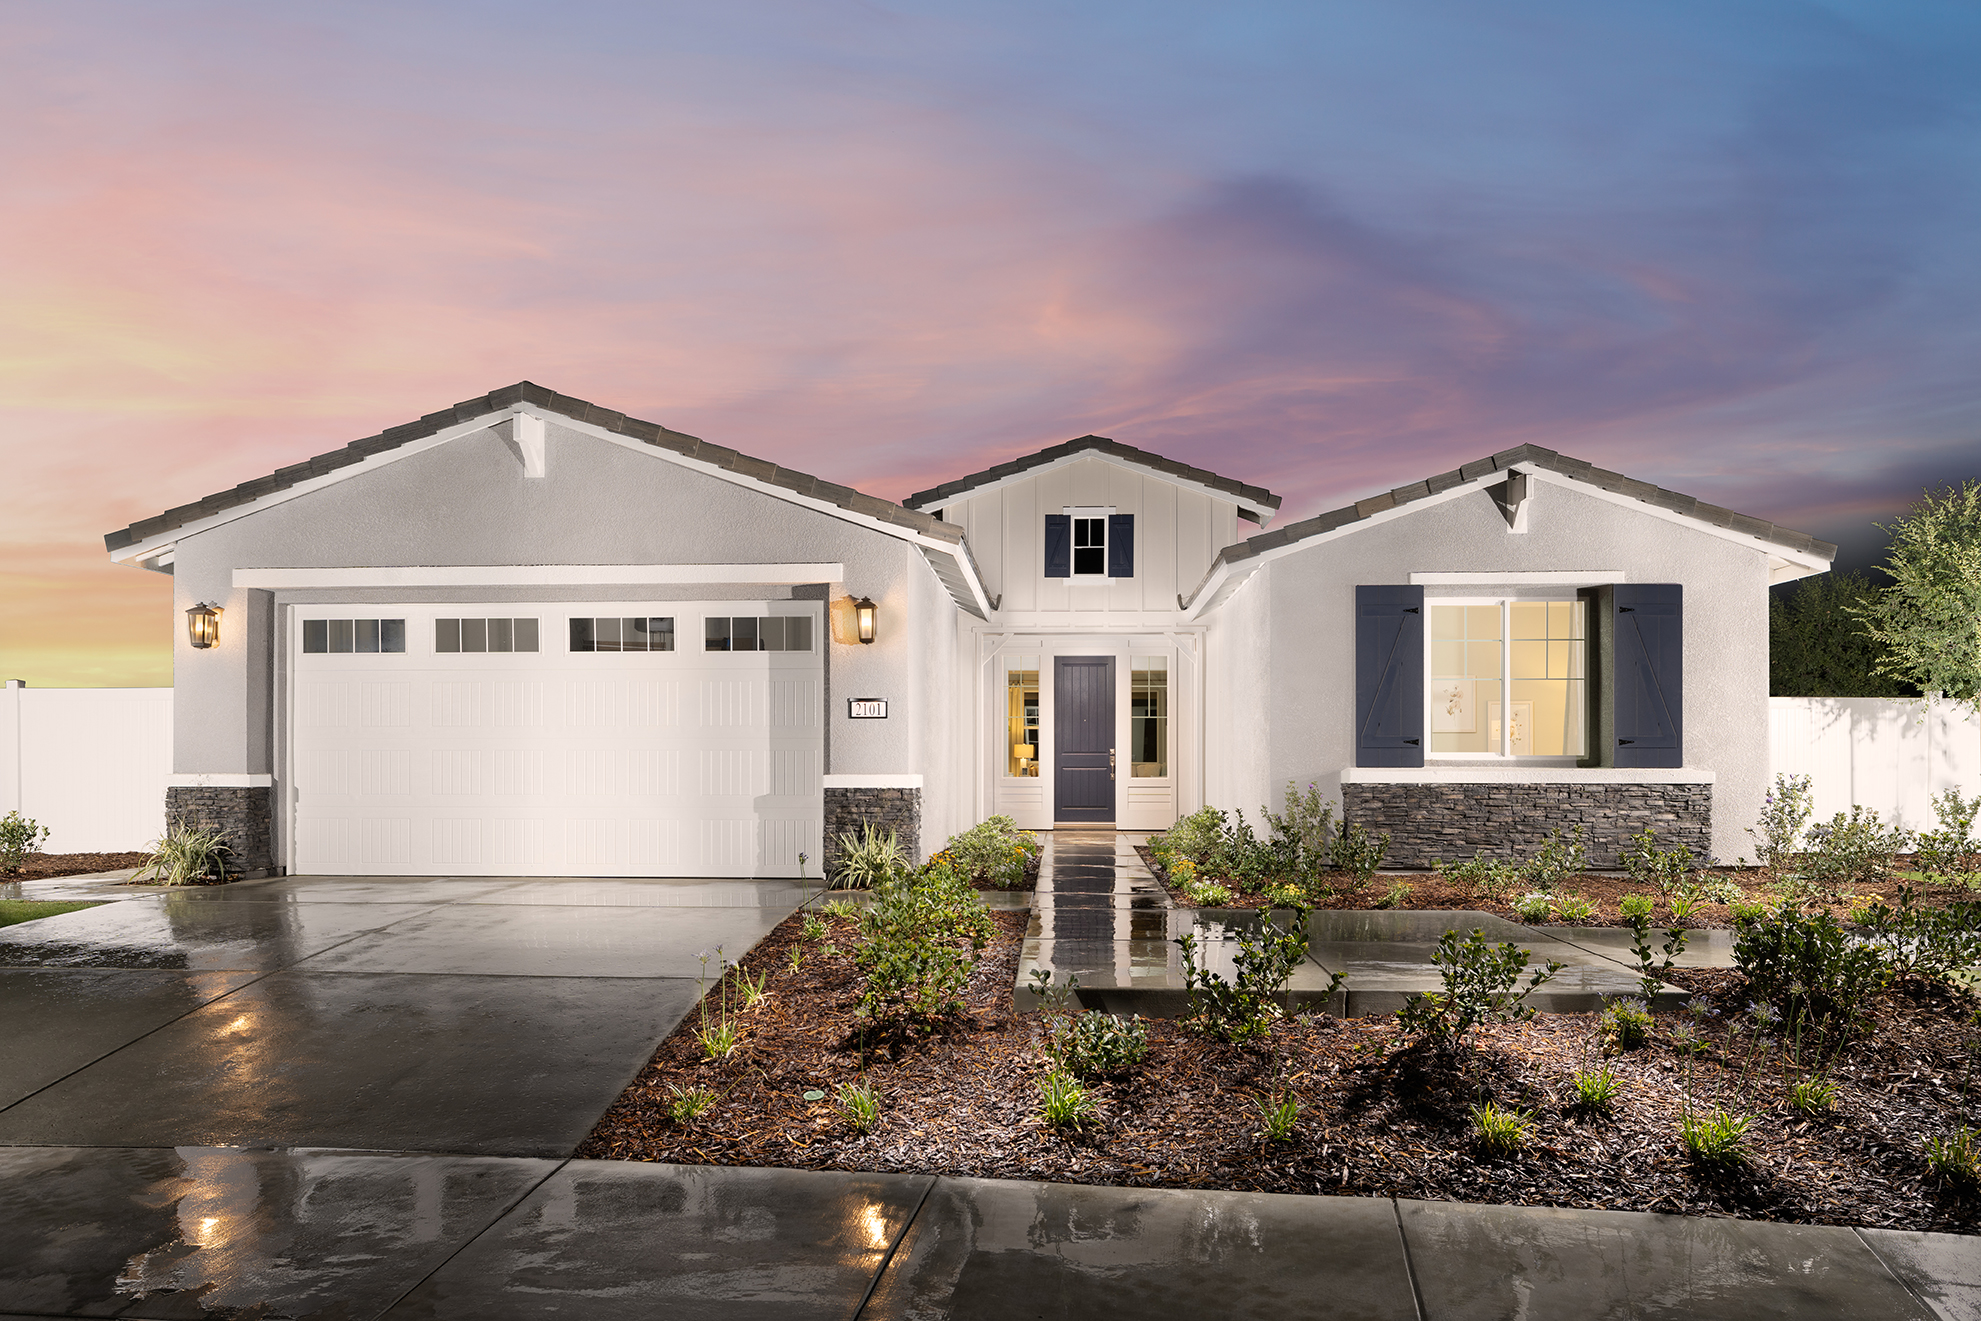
x,y
1817,647
1929,619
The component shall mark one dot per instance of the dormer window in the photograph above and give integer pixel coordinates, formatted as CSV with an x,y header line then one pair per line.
x,y
1090,542
1090,546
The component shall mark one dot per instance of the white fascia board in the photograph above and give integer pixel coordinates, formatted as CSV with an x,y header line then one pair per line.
x,y
1090,621
219,780
1786,555
540,575
1542,578
1266,515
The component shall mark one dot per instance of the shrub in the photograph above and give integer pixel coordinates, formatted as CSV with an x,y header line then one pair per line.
x,y
1784,813
869,858
1712,889
1718,1139
1286,896
1950,851
1747,910
1535,907
1927,942
1650,865
994,851
1595,1089
1277,1116
1481,984
688,1103
1574,908
1956,1158
1635,905
1558,860
1097,1045
1208,894
1358,852
1198,838
1625,1024
1396,896
921,937
1482,873
1652,968
1804,962
1267,956
188,855
1853,847
1246,858
1064,1102
1501,1132
859,1104
1302,837
19,836
1813,1096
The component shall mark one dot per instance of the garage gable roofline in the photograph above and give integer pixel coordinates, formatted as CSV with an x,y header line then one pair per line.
x,y
1255,503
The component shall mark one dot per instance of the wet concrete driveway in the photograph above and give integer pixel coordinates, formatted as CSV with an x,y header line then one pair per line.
x,y
495,1017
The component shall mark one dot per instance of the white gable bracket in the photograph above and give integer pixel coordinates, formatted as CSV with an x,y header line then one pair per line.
x,y
526,438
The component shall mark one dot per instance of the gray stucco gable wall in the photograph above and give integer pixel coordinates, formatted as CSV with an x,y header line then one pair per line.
x,y
467,502
1307,596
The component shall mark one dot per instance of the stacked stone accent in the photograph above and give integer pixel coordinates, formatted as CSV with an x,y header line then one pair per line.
x,y
240,814
848,811
1455,821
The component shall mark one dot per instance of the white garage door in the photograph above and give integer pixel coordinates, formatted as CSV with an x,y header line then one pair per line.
x,y
578,739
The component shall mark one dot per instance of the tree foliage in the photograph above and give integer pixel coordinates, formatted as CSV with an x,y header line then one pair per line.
x,y
1929,620
1817,646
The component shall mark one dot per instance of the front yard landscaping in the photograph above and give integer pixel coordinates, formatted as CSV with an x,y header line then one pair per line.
x,y
14,911
1816,1085
47,866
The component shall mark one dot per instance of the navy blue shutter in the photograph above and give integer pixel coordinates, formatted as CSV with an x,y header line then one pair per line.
x,y
1121,545
1650,687
1389,676
1059,546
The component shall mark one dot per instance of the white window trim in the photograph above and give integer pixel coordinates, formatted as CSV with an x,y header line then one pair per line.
x,y
1103,513
1504,757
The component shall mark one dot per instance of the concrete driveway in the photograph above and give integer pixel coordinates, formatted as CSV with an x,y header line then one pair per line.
x,y
485,1017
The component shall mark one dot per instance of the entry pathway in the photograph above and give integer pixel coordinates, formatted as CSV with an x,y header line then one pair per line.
x,y
194,1232
496,1017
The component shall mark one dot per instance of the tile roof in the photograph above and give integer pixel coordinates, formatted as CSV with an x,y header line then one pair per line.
x,y
526,392
1255,495
1533,456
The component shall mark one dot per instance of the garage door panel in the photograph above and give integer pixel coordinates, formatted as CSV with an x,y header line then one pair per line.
x,y
552,762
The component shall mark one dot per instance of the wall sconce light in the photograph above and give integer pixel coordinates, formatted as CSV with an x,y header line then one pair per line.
x,y
863,611
203,625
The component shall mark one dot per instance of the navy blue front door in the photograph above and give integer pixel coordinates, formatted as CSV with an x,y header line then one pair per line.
x,y
1083,738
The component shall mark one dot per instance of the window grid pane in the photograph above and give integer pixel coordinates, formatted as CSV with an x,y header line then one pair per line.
x,y
1148,717
1021,696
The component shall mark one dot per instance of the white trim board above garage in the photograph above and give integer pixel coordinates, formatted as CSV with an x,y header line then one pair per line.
x,y
539,575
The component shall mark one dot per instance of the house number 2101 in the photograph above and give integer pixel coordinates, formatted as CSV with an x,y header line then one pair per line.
x,y
866,708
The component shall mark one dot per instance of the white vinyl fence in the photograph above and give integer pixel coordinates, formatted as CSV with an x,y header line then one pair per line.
x,y
1876,752
91,764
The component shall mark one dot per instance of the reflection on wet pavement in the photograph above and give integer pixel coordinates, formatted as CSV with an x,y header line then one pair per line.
x,y
184,930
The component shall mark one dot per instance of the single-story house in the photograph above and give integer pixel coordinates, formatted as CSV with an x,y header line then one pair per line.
x,y
528,635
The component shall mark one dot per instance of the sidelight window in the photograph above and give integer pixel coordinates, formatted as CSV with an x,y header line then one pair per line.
x,y
1021,710
1148,717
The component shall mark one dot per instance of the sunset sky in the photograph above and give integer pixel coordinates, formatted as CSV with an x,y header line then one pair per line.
x,y
1733,248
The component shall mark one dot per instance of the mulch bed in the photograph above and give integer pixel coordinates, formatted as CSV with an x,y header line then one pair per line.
x,y
1429,890
43,866
1376,1119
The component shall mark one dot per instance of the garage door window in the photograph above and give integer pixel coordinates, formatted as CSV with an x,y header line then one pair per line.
x,y
451,635
623,634
352,635
743,633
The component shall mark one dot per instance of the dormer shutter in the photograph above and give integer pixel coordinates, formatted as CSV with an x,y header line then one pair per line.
x,y
1059,546
1121,545
1389,676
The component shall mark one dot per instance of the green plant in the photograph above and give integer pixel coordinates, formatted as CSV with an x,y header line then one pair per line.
x,y
796,956
1277,1115
814,928
1686,1041
1712,889
1559,859
1285,896
1358,852
1784,813
1481,984
1925,942
1957,1157
1950,851
1744,911
920,939
1635,905
1098,1045
688,1103
1650,865
1682,906
1396,896
995,851
1805,963
1574,908
1064,1101
1925,619
718,1037
1652,968
1854,847
1818,648
858,1104
845,908
187,855
869,858
1267,956
1304,834
1534,907
1595,1089
1718,1139
19,836
751,987
1501,1132
1208,894
1625,1024
1197,838
1481,873
1813,1096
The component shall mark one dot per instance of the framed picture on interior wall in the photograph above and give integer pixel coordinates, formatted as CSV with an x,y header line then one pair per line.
x,y
1520,736
1454,706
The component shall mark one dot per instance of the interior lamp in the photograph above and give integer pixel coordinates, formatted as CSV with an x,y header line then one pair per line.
x,y
1025,751
863,611
203,625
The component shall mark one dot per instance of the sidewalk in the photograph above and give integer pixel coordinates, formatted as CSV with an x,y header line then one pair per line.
x,y
195,1232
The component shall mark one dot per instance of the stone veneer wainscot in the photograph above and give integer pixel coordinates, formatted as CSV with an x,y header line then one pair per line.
x,y
888,802
241,814
1434,814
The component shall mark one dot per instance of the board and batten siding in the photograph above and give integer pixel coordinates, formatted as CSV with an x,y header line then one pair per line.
x,y
1177,534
